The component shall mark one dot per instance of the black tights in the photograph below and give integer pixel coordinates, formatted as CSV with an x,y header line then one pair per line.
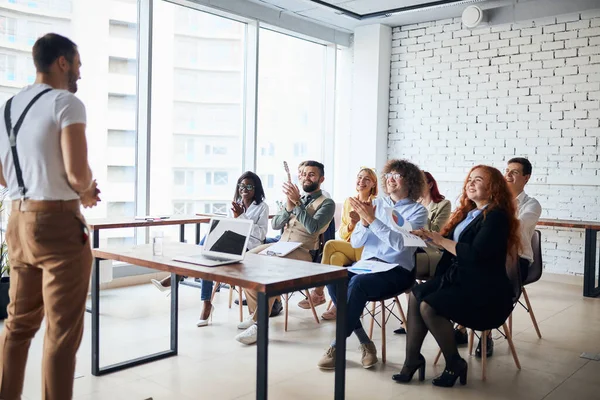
x,y
422,318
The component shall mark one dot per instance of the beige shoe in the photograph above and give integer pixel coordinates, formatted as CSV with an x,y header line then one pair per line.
x,y
328,359
369,355
330,314
317,300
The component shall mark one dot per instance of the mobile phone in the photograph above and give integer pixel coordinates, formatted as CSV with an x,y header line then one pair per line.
x,y
287,171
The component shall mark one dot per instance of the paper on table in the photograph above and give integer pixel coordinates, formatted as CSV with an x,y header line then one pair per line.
x,y
402,226
280,249
370,267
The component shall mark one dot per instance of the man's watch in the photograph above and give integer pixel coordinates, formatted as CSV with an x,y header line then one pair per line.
x,y
298,203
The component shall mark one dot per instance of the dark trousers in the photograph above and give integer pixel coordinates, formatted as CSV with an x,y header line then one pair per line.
x,y
524,267
370,287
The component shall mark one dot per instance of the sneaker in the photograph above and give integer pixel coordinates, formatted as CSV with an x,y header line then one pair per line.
x,y
317,300
330,314
489,350
247,323
277,308
244,302
328,359
461,337
249,336
369,355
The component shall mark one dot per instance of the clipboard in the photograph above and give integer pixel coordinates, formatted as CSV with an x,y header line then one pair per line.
x,y
280,249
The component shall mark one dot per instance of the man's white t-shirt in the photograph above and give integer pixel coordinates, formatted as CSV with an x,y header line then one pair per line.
x,y
38,143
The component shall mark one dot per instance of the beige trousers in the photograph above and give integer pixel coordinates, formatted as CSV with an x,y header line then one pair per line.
x,y
51,262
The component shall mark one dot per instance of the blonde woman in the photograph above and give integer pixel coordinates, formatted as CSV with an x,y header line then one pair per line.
x,y
341,252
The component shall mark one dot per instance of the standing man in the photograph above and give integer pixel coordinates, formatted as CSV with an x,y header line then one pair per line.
x,y
44,165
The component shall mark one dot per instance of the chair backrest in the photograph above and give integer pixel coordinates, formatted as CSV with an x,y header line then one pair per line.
x,y
513,271
536,268
324,237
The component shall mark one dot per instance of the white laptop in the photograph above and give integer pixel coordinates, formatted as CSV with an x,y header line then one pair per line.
x,y
225,243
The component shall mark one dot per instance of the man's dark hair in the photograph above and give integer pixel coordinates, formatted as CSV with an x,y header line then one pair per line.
x,y
311,163
527,168
49,48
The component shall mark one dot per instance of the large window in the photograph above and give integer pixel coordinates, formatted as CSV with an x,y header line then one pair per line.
x,y
291,106
198,75
108,93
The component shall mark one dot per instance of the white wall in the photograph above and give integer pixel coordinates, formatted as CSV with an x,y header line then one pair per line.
x,y
462,97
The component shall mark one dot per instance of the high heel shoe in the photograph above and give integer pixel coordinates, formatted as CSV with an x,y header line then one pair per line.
x,y
450,375
204,322
405,377
159,285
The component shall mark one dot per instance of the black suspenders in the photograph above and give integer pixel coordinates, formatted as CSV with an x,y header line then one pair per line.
x,y
12,137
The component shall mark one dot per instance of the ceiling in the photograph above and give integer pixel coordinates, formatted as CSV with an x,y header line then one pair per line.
x,y
346,15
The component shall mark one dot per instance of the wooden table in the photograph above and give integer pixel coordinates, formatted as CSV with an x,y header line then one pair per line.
x,y
270,276
590,268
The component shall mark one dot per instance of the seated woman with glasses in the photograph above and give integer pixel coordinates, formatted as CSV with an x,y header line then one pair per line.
x,y
378,232
341,252
471,286
248,203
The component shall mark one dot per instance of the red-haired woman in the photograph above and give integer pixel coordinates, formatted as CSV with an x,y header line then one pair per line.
x,y
471,286
439,209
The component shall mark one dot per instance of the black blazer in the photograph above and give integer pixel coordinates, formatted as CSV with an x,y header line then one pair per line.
x,y
481,249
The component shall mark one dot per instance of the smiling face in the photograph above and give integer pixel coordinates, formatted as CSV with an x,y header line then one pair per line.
x,y
394,183
246,189
364,183
311,179
515,178
477,186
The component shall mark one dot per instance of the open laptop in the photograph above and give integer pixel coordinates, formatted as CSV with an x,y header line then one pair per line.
x,y
225,243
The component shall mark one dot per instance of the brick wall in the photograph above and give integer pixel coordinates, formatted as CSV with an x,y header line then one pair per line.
x,y
460,97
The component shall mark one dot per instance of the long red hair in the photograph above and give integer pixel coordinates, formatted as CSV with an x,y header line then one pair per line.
x,y
434,192
499,198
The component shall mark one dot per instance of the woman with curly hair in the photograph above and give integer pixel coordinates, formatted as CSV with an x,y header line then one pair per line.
x,y
471,286
377,231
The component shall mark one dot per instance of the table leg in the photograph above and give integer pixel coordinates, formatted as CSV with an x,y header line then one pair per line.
x,y
182,233
174,312
197,233
95,245
589,265
95,310
340,340
262,357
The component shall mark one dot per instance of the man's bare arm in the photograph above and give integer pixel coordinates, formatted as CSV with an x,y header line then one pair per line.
x,y
74,148
2,180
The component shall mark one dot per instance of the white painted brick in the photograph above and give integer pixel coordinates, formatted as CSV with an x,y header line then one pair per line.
x,y
518,41
561,27
488,53
587,105
416,32
519,58
507,85
552,116
541,90
565,35
575,79
576,114
578,25
587,123
534,99
518,109
565,53
469,40
594,41
565,71
584,141
560,44
592,77
576,43
479,46
541,108
543,55
461,33
508,50
480,62
590,50
594,96
559,62
571,150
434,29
425,39
520,75
575,96
467,56
500,60
529,117
563,106
548,37
498,43
589,32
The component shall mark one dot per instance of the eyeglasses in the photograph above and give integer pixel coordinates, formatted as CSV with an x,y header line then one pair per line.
x,y
396,176
247,187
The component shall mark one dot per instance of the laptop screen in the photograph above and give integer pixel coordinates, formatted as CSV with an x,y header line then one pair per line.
x,y
227,236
